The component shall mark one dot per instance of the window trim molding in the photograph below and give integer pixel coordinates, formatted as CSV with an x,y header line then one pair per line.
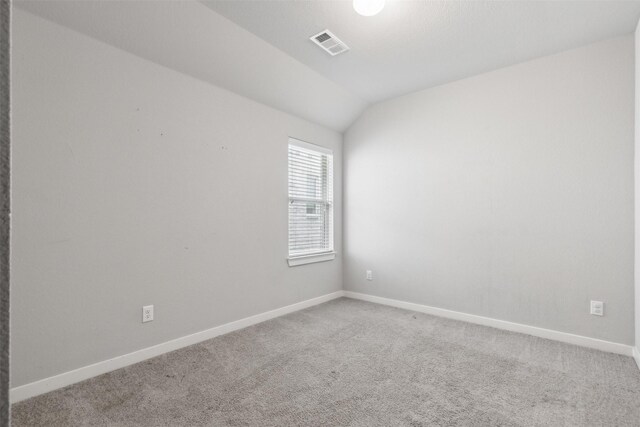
x,y
311,258
310,146
327,255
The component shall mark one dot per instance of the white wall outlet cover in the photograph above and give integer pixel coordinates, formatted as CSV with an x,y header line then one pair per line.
x,y
147,313
369,275
597,308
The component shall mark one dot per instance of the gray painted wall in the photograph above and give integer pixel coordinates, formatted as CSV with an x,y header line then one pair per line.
x,y
507,195
5,165
133,185
637,189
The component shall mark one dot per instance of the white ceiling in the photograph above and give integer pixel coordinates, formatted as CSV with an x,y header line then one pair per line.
x,y
261,49
413,45
191,38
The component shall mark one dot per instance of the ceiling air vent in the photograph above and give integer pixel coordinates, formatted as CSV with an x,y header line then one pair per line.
x,y
330,43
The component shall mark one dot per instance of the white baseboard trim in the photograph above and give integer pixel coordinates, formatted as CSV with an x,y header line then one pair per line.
x,y
67,378
550,334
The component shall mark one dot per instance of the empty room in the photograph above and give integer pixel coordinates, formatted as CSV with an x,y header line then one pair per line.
x,y
320,213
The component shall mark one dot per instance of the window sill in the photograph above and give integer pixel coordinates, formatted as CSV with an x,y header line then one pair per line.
x,y
309,259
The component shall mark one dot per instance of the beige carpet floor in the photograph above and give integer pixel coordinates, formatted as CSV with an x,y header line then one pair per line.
x,y
352,363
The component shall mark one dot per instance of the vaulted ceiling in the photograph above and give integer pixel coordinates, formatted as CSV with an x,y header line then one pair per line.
x,y
261,49
193,39
413,45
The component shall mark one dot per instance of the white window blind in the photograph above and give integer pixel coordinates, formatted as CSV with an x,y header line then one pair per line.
x,y
310,199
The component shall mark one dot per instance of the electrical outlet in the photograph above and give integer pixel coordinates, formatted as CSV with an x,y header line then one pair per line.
x,y
597,308
147,313
369,275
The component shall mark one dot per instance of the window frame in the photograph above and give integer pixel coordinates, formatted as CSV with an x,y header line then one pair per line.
x,y
320,256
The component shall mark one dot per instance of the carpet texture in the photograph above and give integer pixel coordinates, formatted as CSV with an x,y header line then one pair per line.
x,y
5,201
349,362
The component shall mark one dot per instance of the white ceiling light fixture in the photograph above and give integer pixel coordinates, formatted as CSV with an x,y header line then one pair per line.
x,y
368,7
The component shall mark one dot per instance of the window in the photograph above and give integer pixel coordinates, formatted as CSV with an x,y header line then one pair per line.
x,y
310,203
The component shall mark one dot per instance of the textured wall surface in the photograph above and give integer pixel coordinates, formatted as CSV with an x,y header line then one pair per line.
x,y
507,195
4,210
637,192
134,184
